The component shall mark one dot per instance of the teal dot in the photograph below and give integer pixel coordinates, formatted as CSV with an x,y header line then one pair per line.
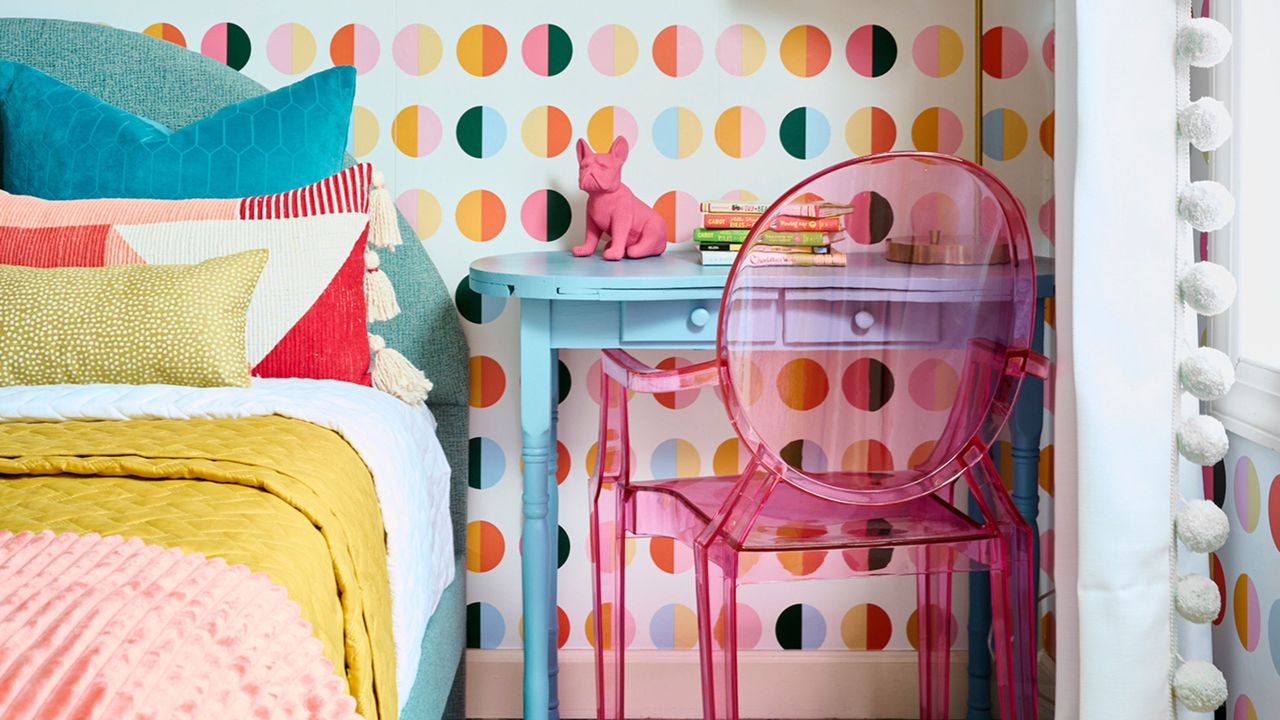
x,y
805,133
481,132
475,307
800,627
485,463
485,626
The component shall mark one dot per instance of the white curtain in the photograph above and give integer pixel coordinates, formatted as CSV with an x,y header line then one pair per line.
x,y
1117,172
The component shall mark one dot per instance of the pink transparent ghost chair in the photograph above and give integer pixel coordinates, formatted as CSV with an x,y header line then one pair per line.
x,y
805,363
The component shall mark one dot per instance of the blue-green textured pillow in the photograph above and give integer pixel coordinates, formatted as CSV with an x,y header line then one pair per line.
x,y
59,143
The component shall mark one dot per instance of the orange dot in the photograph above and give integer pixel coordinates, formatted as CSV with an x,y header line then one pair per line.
x,y
1046,135
482,50
485,546
920,455
728,458
802,384
802,562
867,456
606,622
165,31
480,215
913,626
670,556
1046,469
488,381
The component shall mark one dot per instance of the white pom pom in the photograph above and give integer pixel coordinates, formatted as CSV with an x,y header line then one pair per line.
x,y
1206,204
1208,288
371,260
1200,686
376,343
1202,440
1206,373
1205,123
1197,599
1202,526
1203,42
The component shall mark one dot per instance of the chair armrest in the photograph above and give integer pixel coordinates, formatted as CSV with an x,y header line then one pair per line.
x,y
1029,362
635,375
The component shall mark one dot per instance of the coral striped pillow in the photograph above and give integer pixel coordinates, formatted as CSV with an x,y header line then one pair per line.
x,y
308,315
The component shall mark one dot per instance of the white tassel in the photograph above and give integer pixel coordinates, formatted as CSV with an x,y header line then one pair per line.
x,y
395,375
384,230
379,295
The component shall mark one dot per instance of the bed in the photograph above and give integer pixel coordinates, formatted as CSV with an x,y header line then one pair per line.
x,y
57,441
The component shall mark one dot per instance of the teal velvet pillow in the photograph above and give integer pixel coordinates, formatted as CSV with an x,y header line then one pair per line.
x,y
59,143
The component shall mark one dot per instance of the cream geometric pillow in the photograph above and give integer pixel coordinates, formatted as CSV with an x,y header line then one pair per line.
x,y
128,324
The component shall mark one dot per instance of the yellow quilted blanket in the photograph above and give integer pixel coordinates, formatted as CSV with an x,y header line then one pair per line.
x,y
282,496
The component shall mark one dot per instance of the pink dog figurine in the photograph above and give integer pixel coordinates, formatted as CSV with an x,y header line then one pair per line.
x,y
635,229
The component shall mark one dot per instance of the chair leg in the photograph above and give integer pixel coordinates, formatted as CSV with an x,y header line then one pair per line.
x,y
718,631
608,565
1013,627
933,639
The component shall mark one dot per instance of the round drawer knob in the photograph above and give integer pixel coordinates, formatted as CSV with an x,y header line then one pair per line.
x,y
863,320
699,317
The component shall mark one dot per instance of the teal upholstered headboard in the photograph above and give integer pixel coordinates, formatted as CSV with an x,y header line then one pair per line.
x,y
174,86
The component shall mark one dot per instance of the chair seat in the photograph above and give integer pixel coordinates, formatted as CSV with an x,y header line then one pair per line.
x,y
795,520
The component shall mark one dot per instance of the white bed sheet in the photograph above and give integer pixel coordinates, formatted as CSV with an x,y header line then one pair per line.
x,y
396,441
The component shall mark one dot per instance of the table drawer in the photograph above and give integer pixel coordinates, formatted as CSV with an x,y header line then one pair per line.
x,y
677,321
857,322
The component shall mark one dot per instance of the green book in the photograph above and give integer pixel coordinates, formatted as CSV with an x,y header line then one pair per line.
x,y
779,237
706,235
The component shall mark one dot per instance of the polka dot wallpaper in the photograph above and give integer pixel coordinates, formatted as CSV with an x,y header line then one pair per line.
x,y
471,109
1246,635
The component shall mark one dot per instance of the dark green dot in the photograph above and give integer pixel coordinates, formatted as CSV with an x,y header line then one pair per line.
x,y
563,546
238,46
790,628
559,215
792,133
564,381
884,51
559,50
473,625
471,132
879,217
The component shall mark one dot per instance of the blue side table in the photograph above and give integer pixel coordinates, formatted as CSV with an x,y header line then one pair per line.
x,y
671,301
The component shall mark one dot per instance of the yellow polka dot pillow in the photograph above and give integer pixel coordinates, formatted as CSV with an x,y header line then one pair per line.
x,y
318,292
130,324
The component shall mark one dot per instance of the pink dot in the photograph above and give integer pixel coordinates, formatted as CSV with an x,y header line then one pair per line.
x,y
935,211
612,50
750,628
1046,552
1047,50
680,211
1004,52
991,219
357,45
677,50
740,196
675,400
1047,218
740,50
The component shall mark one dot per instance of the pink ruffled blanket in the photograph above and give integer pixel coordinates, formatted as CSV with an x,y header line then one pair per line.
x,y
108,627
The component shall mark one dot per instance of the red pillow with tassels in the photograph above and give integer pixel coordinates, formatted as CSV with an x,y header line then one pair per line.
x,y
319,289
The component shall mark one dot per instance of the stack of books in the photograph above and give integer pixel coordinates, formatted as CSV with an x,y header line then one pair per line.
x,y
801,235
